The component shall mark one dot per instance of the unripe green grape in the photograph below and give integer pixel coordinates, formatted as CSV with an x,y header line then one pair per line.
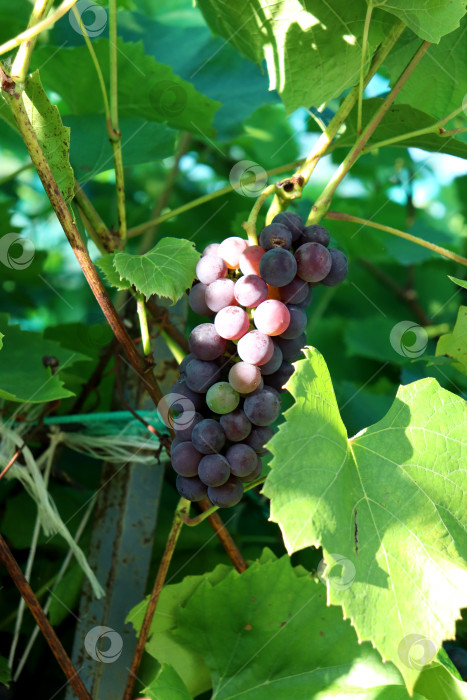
x,y
222,398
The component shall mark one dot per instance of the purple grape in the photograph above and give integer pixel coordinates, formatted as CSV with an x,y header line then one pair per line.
x,y
208,436
235,425
255,348
297,323
197,300
339,268
294,292
185,459
251,290
181,398
293,222
205,342
315,234
185,361
191,488
227,495
281,377
274,363
255,474
258,437
291,349
275,236
278,267
242,459
220,294
313,262
214,470
308,299
175,442
210,268
185,423
262,407
201,375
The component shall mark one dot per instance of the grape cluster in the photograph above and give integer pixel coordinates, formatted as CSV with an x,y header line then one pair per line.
x,y
241,358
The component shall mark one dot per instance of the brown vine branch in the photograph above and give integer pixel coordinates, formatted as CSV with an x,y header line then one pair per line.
x,y
46,628
225,538
177,524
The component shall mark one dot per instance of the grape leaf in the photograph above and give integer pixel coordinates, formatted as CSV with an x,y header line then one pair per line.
x,y
455,344
430,19
387,504
106,264
438,85
271,635
53,137
147,89
168,685
23,376
456,280
167,270
312,55
161,643
5,675
400,120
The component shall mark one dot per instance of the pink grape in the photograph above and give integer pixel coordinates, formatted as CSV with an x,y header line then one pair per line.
x,y
220,294
251,290
249,259
212,249
230,250
255,347
232,322
272,317
244,377
210,268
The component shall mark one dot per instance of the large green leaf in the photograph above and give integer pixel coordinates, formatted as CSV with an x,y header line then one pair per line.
x,y
167,270
312,49
271,635
439,83
455,344
430,19
386,506
23,376
53,137
147,89
161,643
167,686
91,152
400,120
